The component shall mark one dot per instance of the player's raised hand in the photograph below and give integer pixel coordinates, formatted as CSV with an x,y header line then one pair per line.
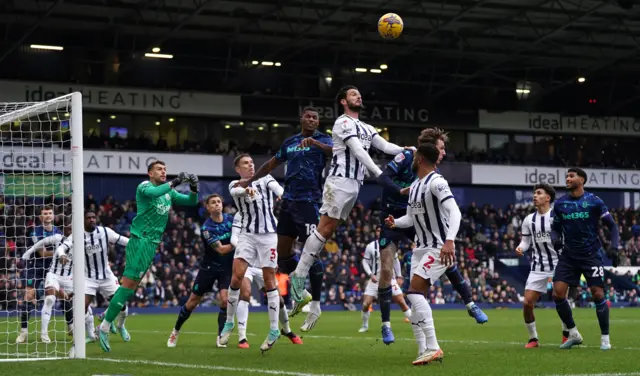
x,y
614,256
244,183
64,259
519,251
193,182
307,142
390,221
27,255
405,191
250,191
412,148
374,279
447,253
182,177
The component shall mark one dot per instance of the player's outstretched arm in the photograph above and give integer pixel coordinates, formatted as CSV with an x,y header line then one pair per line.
x,y
356,148
65,246
263,171
525,242
115,238
187,200
385,146
41,244
152,191
275,187
326,146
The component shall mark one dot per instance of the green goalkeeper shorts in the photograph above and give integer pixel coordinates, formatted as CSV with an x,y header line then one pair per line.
x,y
139,255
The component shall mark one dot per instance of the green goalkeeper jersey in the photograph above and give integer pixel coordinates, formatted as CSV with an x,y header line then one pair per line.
x,y
154,203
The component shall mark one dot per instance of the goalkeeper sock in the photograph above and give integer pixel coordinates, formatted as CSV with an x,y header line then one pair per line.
x,y
182,317
222,318
120,299
47,309
243,316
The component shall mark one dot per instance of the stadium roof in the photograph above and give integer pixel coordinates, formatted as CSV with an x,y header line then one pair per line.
x,y
471,52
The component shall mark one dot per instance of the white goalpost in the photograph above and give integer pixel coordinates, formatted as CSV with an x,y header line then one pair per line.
x,y
41,167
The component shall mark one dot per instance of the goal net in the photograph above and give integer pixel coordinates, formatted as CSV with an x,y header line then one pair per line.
x,y
41,195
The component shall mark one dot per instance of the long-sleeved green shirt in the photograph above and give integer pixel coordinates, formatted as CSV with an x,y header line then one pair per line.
x,y
154,203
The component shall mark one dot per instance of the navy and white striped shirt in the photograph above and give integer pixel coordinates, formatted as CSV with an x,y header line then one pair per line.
x,y
537,227
344,163
256,213
372,258
96,250
425,209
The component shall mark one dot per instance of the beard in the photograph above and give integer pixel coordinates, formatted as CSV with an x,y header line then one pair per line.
x,y
355,107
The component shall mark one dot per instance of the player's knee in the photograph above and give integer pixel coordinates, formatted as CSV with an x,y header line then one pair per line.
x,y
597,294
558,296
528,304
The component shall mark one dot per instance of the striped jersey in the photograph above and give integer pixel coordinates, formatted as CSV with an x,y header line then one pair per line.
x,y
430,221
372,258
96,250
39,233
344,163
256,213
537,227
55,266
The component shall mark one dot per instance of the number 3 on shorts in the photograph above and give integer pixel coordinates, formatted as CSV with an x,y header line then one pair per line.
x,y
598,271
273,254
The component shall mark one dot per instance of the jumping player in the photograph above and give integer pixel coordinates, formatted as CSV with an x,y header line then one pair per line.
x,y
215,266
433,211
352,140
536,234
305,154
154,198
576,218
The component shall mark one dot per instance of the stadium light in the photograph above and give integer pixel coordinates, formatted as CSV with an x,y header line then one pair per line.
x,y
227,126
374,70
276,125
278,64
267,63
171,120
46,47
112,117
523,91
157,123
581,79
255,62
158,56
383,66
260,128
361,70
155,50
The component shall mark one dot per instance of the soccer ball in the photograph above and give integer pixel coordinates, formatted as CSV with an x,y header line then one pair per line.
x,y
390,26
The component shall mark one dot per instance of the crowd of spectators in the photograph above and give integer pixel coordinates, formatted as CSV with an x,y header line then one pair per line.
x,y
486,235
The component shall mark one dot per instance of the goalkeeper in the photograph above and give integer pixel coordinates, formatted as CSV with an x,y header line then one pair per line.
x,y
153,198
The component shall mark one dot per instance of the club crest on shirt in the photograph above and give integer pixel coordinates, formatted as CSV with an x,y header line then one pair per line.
x,y
442,187
167,196
399,158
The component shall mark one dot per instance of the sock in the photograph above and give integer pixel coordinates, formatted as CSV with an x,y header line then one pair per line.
x,y
422,321
314,306
289,264
222,318
312,247
565,330
407,313
602,311
26,312
273,306
531,327
459,284
284,318
232,303
564,311
89,323
183,316
365,318
122,316
67,307
47,308
243,316
384,299
315,277
119,300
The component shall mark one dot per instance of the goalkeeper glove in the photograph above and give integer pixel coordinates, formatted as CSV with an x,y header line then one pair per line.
x,y
181,178
193,182
614,256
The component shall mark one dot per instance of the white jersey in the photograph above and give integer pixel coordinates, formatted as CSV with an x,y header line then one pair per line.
x,y
344,163
256,213
537,227
56,266
430,221
96,249
371,261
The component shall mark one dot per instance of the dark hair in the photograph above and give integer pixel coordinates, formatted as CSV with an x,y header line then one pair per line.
x,y
154,163
580,172
213,195
308,108
45,208
239,158
548,189
342,93
430,152
86,213
431,135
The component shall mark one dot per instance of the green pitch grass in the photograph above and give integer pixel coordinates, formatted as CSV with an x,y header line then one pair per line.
x,y
335,347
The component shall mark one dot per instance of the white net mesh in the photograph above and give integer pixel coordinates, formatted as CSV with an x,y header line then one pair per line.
x,y
35,165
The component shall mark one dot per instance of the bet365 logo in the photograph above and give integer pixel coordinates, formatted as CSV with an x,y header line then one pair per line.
x,y
576,215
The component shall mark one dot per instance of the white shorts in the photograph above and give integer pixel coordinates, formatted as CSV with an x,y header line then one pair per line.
x,y
258,249
537,281
339,196
426,264
59,283
106,287
254,275
372,288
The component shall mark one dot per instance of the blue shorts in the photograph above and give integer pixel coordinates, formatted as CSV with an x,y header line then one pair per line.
x,y
206,278
569,270
395,235
33,276
298,219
